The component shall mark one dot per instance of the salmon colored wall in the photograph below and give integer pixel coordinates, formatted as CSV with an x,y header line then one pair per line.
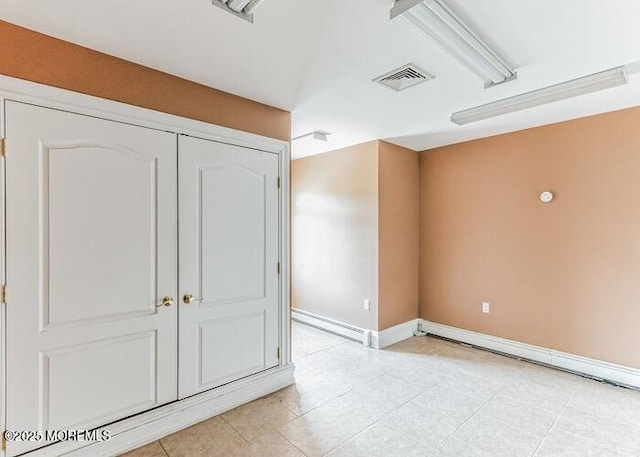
x,y
564,275
35,57
335,234
398,239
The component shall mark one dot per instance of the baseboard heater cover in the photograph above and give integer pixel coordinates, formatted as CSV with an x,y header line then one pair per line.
x,y
332,326
423,329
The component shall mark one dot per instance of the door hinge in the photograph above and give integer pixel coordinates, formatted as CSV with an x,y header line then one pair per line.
x,y
278,353
3,147
279,182
4,293
278,267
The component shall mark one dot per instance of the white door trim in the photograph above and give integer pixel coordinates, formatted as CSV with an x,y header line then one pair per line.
x,y
147,427
51,97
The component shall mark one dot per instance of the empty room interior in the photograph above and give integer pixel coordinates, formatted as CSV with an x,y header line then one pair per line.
x,y
307,228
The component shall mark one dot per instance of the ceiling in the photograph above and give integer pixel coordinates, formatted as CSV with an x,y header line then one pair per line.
x,y
316,58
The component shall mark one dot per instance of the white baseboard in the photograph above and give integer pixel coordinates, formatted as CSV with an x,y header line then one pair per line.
x,y
395,334
331,325
377,340
147,427
618,374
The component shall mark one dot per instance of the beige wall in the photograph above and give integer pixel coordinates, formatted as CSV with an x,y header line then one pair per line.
x,y
335,234
398,216
355,234
35,57
564,275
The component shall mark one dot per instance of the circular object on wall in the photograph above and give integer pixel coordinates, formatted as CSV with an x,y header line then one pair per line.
x,y
546,196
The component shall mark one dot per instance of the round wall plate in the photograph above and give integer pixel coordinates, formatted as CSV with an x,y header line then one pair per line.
x,y
546,196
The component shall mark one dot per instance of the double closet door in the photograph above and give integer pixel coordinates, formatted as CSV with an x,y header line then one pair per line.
x,y
141,265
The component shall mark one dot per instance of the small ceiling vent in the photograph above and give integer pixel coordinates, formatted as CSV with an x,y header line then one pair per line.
x,y
404,77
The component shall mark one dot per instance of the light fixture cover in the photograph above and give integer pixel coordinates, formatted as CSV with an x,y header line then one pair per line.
x,y
318,135
593,83
240,8
439,22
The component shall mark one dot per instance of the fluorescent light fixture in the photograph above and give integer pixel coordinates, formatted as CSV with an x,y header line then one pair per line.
x,y
318,135
310,144
436,20
237,5
574,88
240,8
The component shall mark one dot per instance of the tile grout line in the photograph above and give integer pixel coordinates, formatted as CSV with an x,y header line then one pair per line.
x,y
166,453
285,438
600,416
564,407
589,439
233,428
474,415
388,414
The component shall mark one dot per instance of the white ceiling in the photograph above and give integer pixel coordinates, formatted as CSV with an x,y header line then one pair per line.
x,y
317,58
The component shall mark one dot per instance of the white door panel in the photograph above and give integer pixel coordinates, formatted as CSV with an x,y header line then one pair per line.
x,y
228,260
232,253
77,224
91,251
68,371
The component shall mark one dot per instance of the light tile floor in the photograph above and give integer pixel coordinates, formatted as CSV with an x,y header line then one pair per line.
x,y
422,397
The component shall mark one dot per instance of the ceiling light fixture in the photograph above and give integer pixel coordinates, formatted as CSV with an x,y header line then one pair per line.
x,y
436,20
318,135
240,8
593,83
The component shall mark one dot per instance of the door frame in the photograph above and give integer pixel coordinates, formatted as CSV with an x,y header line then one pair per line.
x,y
174,415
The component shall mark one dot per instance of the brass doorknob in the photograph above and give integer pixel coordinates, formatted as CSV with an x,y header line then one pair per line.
x,y
188,298
166,301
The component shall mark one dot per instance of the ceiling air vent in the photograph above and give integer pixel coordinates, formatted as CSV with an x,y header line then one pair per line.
x,y
404,77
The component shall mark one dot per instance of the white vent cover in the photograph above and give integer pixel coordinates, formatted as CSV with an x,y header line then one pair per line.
x,y
404,77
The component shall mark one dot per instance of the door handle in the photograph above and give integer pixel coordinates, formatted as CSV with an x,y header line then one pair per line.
x,y
166,301
188,298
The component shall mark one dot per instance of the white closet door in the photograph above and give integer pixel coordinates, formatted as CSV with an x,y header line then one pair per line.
x,y
91,252
228,202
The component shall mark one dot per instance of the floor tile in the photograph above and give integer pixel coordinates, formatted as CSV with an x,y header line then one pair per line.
x,y
268,445
552,378
497,438
258,417
325,428
387,393
420,374
514,413
427,426
609,401
316,391
473,386
380,441
455,448
310,340
150,450
562,444
449,402
619,437
212,438
537,395
421,397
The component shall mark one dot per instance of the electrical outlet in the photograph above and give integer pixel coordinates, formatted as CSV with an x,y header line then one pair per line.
x,y
367,305
486,307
